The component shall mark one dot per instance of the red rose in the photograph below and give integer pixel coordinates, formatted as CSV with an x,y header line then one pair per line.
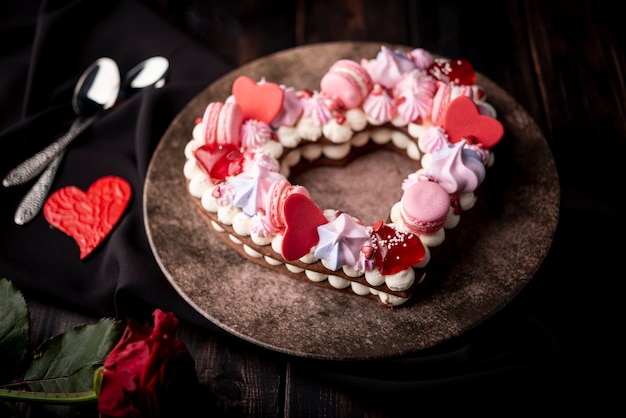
x,y
148,373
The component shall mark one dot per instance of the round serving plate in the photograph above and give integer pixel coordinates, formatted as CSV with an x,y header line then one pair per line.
x,y
497,247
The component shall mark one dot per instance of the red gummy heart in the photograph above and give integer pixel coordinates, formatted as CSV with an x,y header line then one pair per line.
x,y
261,102
395,251
463,121
220,161
302,217
457,71
88,217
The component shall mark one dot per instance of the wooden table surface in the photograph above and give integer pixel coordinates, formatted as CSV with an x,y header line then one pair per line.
x,y
564,62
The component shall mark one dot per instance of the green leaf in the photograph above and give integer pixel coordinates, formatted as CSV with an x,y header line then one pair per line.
x,y
14,329
67,362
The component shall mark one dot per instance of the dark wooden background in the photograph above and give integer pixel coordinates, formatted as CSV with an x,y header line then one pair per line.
x,y
561,60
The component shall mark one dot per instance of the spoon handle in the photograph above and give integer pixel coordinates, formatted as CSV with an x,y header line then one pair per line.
x,y
34,165
33,201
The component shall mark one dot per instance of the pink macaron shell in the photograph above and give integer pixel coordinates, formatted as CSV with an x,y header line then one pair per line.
x,y
348,81
210,121
229,124
425,206
440,103
276,195
299,190
358,71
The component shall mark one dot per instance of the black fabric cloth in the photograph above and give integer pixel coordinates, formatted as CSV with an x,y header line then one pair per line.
x,y
543,339
45,48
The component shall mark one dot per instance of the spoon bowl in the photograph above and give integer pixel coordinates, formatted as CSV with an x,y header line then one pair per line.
x,y
97,88
151,73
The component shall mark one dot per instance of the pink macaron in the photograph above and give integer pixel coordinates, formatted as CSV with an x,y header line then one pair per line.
x,y
229,124
440,103
348,82
275,203
425,207
209,122
445,94
222,123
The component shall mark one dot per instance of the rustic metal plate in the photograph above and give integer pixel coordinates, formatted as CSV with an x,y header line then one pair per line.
x,y
499,244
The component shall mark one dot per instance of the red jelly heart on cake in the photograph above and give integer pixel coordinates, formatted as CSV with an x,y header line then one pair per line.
x,y
394,250
220,161
457,71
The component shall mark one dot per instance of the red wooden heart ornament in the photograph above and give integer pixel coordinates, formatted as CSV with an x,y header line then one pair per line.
x,y
261,101
462,120
302,217
88,217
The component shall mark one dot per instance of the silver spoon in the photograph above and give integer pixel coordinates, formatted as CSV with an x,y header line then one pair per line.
x,y
151,73
96,91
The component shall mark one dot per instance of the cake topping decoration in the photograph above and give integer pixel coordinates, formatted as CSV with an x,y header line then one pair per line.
x,y
255,134
260,101
291,108
389,67
415,91
394,250
315,109
379,106
432,139
440,102
340,241
209,122
252,185
422,58
347,83
224,193
229,124
457,169
220,161
302,219
275,201
463,121
458,71
262,226
425,206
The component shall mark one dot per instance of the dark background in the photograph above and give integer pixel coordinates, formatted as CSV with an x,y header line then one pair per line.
x,y
556,347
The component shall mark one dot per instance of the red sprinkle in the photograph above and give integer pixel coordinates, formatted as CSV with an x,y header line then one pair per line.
x,y
339,117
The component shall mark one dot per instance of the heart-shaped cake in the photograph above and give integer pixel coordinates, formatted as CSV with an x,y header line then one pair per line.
x,y
429,110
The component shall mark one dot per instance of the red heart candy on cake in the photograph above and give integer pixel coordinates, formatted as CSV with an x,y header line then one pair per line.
x,y
458,71
390,257
220,161
302,217
462,120
88,217
261,101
